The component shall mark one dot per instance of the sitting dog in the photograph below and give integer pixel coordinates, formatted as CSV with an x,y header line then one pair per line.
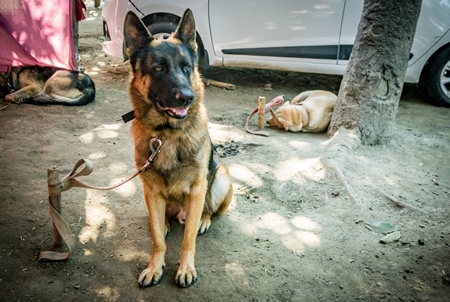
x,y
184,180
310,111
46,85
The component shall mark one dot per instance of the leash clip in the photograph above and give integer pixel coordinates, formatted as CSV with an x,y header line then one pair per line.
x,y
155,150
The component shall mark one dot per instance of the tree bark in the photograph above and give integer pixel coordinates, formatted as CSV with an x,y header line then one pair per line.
x,y
372,84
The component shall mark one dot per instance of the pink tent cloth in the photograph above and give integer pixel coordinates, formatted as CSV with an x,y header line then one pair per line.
x,y
36,32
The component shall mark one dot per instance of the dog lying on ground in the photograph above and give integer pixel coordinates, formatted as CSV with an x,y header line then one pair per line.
x,y
46,85
167,94
310,111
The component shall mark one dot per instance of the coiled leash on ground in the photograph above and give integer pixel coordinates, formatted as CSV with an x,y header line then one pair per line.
x,y
56,186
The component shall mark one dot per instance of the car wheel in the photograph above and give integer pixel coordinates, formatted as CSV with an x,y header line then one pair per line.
x,y
161,31
437,79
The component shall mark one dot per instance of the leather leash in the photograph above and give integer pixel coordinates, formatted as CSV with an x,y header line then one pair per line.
x,y
277,101
82,167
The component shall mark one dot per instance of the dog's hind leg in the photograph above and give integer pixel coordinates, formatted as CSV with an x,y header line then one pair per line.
x,y
23,94
174,211
218,198
67,88
301,97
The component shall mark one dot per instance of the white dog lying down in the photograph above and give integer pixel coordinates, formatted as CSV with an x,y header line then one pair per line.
x,y
310,111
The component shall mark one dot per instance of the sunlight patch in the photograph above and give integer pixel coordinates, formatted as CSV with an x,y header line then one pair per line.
x,y
237,273
128,189
224,133
298,144
107,292
127,255
285,170
107,134
305,223
87,138
97,155
308,238
270,221
245,175
292,243
98,217
298,241
118,167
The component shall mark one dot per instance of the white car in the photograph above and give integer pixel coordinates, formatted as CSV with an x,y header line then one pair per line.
x,y
306,36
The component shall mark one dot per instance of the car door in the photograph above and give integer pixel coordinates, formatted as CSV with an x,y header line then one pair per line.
x,y
274,33
349,29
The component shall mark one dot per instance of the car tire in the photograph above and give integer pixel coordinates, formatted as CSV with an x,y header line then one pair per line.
x,y
437,79
161,31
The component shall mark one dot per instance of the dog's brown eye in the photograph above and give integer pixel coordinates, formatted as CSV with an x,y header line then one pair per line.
x,y
157,68
187,67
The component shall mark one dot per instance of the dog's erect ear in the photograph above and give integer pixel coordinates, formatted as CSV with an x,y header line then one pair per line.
x,y
135,34
186,30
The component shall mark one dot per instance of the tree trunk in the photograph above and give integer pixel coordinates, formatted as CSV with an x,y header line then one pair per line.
x,y
372,84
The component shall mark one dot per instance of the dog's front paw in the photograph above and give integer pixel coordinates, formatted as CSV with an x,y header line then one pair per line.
x,y
11,98
186,276
150,276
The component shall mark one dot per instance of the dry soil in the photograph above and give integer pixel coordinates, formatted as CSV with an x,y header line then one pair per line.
x,y
307,214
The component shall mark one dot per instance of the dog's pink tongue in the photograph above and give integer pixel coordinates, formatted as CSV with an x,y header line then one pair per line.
x,y
181,111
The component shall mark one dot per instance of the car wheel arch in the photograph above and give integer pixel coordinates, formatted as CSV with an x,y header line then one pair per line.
x,y
428,79
155,18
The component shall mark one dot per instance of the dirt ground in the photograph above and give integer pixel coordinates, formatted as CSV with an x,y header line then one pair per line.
x,y
305,222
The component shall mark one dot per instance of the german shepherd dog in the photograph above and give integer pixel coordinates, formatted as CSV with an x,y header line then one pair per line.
x,y
167,94
46,85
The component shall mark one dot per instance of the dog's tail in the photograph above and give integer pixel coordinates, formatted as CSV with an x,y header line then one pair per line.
x,y
83,87
302,96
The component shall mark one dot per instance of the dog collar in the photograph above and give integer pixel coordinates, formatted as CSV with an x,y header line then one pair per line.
x,y
305,119
128,116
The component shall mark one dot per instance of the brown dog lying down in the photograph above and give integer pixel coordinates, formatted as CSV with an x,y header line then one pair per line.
x,y
310,111
46,85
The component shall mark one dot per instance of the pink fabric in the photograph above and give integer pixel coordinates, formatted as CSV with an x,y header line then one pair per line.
x,y
36,32
277,101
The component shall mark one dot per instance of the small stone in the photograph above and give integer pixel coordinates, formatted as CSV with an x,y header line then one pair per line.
x,y
267,87
391,237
